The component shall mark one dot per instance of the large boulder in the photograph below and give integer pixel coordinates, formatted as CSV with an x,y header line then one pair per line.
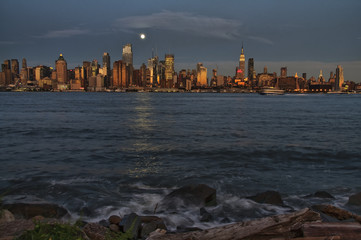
x,y
29,210
191,195
95,231
268,197
130,224
355,199
149,227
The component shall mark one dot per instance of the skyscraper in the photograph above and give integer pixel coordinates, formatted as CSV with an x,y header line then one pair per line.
x,y
106,60
242,65
14,66
120,74
61,70
250,69
24,65
202,75
169,69
127,54
339,78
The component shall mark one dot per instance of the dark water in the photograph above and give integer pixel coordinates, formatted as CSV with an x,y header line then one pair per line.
x,y
104,153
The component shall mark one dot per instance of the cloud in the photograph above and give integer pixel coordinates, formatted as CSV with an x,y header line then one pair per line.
x,y
66,33
261,39
7,42
187,23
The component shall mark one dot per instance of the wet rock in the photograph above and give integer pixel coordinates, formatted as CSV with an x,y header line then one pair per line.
x,y
29,210
130,223
320,194
114,219
355,199
15,228
198,195
104,223
95,231
205,215
114,228
149,227
225,220
6,216
269,197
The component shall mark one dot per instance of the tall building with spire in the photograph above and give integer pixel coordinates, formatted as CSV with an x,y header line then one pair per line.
x,y
61,70
242,65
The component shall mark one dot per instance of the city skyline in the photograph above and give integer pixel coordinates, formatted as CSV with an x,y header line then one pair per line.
x,y
306,37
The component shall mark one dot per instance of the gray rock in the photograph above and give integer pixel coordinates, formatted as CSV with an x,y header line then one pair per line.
x,y
104,223
130,223
320,194
269,197
355,199
149,227
197,195
29,210
205,215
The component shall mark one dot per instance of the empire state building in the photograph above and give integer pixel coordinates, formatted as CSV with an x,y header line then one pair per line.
x,y
242,66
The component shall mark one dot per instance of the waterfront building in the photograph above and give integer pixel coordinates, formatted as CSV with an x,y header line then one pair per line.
x,y
153,70
202,76
120,74
339,80
143,75
6,65
127,55
169,70
61,70
106,64
95,68
283,72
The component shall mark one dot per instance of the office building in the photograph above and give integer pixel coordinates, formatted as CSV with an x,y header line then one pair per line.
x,y
127,56
61,70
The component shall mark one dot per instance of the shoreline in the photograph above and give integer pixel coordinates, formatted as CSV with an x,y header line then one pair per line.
x,y
199,195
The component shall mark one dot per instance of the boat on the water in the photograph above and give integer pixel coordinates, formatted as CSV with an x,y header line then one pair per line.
x,y
272,91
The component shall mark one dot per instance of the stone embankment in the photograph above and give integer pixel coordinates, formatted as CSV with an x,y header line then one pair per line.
x,y
318,222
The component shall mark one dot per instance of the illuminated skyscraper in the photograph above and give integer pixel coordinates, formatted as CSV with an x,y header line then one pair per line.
x,y
339,78
127,54
61,70
202,75
242,65
169,69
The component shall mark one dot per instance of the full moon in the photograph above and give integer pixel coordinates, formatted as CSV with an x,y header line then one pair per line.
x,y
142,36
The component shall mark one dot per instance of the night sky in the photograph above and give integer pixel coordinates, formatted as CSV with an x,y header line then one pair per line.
x,y
306,36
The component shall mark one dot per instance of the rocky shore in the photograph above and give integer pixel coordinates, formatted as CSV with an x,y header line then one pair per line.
x,y
317,222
